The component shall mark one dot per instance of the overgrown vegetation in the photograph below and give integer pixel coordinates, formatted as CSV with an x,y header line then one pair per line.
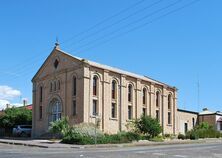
x,y
204,130
143,129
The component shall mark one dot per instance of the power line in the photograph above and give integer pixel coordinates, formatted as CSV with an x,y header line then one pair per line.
x,y
147,23
137,27
133,22
117,22
37,56
103,21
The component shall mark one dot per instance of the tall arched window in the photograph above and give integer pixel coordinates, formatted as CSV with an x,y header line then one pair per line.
x,y
130,88
169,109
144,96
114,89
74,85
95,84
157,99
55,111
169,102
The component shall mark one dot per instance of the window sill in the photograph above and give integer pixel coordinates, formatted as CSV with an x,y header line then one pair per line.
x,y
170,125
113,119
129,120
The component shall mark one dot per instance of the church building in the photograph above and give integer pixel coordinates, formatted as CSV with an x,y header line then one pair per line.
x,y
84,90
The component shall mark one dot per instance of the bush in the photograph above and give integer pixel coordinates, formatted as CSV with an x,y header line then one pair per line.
x,y
148,126
181,136
204,130
60,127
157,139
87,129
192,135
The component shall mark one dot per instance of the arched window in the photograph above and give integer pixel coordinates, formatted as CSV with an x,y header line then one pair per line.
x,y
51,86
169,102
95,84
41,93
54,85
55,110
157,99
114,89
74,85
58,84
144,96
130,88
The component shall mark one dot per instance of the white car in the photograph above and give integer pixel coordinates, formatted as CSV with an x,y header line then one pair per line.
x,y
22,130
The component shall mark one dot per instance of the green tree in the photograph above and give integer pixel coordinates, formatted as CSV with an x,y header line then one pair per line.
x,y
149,126
15,116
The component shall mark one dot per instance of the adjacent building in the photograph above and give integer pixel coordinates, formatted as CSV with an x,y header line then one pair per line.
x,y
212,118
66,85
186,120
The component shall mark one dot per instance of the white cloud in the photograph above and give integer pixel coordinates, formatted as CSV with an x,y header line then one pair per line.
x,y
8,93
3,104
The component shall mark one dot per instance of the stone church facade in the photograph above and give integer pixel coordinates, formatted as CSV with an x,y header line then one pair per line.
x,y
83,90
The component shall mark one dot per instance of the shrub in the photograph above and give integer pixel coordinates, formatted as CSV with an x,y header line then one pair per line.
x,y
60,127
167,135
87,129
181,136
157,139
148,126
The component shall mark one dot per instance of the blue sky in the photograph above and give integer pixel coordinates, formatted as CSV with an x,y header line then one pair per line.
x,y
177,48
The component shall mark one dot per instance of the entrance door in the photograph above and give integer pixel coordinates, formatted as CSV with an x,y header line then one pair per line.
x,y
185,128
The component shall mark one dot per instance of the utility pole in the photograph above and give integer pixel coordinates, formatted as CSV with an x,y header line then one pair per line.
x,y
198,94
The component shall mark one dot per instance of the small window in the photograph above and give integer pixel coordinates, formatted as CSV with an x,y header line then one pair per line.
x,y
169,101
144,96
130,93
157,115
41,94
95,108
74,107
144,112
54,85
51,86
169,118
56,64
40,112
193,120
74,86
113,89
185,127
95,80
130,112
157,99
58,85
113,110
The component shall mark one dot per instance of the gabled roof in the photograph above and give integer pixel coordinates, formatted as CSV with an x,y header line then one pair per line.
x,y
106,67
117,70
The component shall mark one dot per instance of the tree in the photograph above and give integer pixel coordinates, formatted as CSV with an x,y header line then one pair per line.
x,y
15,116
149,126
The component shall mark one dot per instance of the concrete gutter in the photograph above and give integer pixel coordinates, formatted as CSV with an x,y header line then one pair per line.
x,y
56,144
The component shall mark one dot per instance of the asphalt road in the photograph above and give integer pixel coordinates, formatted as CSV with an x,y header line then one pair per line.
x,y
166,151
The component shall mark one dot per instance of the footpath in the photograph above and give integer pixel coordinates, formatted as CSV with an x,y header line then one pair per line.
x,y
57,144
